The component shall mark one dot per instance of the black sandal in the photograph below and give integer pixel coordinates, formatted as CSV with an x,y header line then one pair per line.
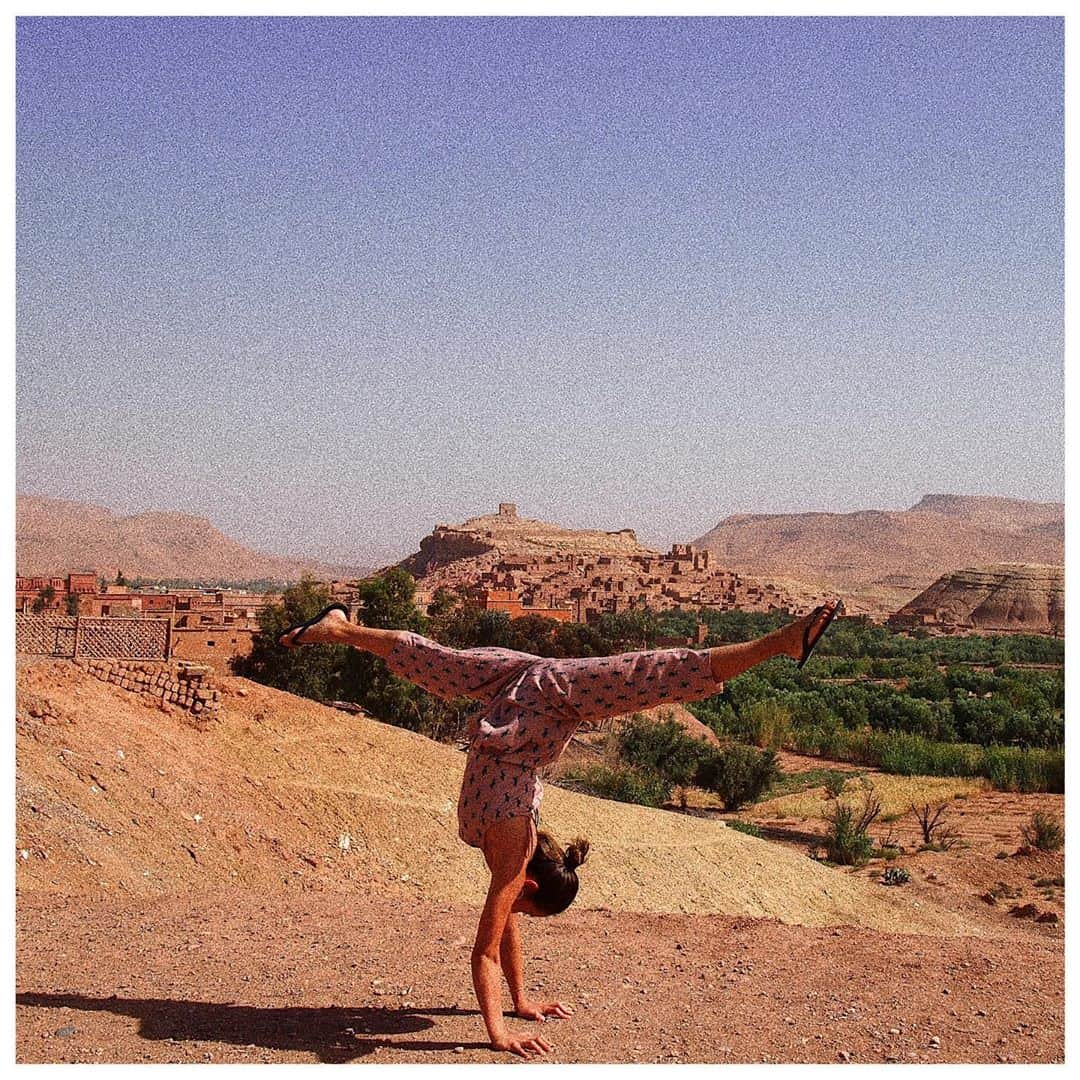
x,y
808,645
301,627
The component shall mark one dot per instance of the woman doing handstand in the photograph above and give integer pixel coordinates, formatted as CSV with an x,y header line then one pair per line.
x,y
533,705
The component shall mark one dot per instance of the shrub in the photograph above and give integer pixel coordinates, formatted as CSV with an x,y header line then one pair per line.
x,y
1012,769
834,784
742,691
747,827
738,774
937,834
895,875
662,748
889,847
1009,768
768,724
847,841
1043,832
620,784
718,715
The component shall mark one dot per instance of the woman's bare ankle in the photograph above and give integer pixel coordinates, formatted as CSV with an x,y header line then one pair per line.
x,y
375,640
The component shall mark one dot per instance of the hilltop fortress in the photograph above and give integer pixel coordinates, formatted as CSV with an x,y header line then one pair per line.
x,y
521,565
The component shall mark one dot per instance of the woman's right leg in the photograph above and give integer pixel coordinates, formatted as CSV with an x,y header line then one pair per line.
x,y
335,629
602,686
445,672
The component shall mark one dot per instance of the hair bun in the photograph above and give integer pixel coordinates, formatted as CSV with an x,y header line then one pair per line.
x,y
576,853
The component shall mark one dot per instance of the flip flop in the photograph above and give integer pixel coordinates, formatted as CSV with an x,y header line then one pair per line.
x,y
301,627
808,645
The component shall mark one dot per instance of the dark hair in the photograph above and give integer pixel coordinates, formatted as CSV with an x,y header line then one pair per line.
x,y
555,872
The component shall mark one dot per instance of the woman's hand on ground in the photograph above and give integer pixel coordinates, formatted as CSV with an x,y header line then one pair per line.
x,y
529,1010
522,1043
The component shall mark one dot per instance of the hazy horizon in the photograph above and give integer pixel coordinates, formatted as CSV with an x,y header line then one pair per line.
x,y
329,282
406,547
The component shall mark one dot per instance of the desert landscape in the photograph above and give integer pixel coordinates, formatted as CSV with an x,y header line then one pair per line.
x,y
284,883
566,339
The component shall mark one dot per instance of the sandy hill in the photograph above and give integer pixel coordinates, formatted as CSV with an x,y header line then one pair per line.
x,y
285,794
1015,598
881,558
54,536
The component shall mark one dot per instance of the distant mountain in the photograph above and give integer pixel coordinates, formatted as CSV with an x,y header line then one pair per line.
x,y
55,536
881,558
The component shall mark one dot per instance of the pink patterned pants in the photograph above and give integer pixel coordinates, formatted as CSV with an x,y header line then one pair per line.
x,y
534,706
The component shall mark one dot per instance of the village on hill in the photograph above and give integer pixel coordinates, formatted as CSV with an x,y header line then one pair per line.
x,y
520,566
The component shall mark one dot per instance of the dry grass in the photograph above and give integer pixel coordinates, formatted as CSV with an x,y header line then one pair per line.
x,y
897,795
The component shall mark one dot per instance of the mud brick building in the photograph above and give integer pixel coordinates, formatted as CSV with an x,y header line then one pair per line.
x,y
206,627
583,587
29,589
212,645
517,564
509,601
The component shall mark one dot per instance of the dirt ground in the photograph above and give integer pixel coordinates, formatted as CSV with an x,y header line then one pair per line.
x,y
385,978
286,887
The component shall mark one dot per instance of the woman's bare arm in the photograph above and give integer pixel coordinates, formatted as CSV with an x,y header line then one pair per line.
x,y
510,958
507,848
514,970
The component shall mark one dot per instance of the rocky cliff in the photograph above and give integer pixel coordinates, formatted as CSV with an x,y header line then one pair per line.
x,y
1008,597
488,537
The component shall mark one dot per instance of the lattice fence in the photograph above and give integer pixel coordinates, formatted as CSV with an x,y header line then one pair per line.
x,y
121,639
45,635
126,639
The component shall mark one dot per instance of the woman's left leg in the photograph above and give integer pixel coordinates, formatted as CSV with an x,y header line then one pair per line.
x,y
602,686
727,661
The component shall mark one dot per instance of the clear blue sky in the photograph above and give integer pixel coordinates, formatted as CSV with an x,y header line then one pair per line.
x,y
331,281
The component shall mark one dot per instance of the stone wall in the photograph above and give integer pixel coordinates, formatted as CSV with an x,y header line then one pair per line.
x,y
185,686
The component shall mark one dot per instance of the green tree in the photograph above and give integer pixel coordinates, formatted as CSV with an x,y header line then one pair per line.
x,y
630,630
44,599
442,604
388,602
312,671
71,603
471,627
535,634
